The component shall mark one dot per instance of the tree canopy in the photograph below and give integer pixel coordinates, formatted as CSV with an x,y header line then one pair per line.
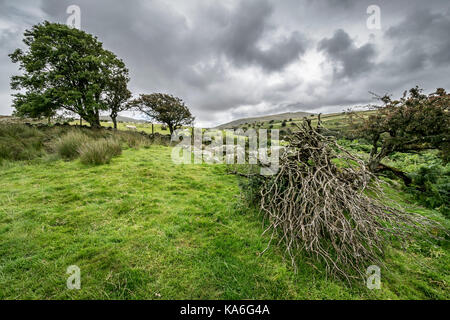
x,y
164,108
117,94
68,69
412,123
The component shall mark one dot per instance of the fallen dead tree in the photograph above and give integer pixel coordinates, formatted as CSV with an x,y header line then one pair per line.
x,y
326,203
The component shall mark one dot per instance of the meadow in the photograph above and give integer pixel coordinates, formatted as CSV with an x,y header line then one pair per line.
x,y
141,227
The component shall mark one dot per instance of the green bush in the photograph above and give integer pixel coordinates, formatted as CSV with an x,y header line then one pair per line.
x,y
431,186
97,152
251,186
67,146
20,142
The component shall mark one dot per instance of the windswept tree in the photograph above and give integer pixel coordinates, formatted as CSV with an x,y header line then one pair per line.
x,y
412,123
63,69
166,109
117,93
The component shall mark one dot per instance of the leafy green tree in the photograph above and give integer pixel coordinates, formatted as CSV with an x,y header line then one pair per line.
x,y
412,123
166,109
117,93
34,105
63,68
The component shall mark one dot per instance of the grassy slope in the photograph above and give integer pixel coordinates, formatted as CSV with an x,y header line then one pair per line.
x,y
143,227
276,117
331,121
145,127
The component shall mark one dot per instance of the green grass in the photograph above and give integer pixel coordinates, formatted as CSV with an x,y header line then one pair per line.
x,y
334,122
18,142
141,127
144,228
145,127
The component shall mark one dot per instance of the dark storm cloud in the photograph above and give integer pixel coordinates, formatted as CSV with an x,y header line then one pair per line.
x,y
189,56
349,60
423,35
244,31
238,58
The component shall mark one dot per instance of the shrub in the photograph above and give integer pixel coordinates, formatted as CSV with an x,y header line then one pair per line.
x,y
431,186
67,146
133,140
251,188
99,152
20,142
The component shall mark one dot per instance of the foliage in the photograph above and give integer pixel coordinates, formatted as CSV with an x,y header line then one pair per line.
x,y
22,142
97,152
413,123
67,146
431,186
166,109
19,142
117,93
64,68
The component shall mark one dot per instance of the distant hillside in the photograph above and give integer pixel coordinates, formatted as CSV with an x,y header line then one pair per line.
x,y
122,119
275,117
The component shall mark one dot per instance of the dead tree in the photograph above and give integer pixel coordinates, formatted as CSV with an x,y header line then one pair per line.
x,y
324,202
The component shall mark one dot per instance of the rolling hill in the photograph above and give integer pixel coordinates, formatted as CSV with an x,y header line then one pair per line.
x,y
275,117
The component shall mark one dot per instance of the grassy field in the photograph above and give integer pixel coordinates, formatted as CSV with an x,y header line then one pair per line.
x,y
330,121
145,127
140,127
144,228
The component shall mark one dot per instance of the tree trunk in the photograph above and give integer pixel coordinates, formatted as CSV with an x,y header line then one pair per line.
x,y
398,173
94,121
113,117
375,158
95,124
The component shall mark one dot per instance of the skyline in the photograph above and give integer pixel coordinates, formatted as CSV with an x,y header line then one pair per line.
x,y
236,59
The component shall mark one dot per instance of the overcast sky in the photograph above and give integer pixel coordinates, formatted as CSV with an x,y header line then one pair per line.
x,y
232,59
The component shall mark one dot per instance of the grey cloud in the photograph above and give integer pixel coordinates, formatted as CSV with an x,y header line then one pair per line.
x,y
244,31
349,60
425,32
236,58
